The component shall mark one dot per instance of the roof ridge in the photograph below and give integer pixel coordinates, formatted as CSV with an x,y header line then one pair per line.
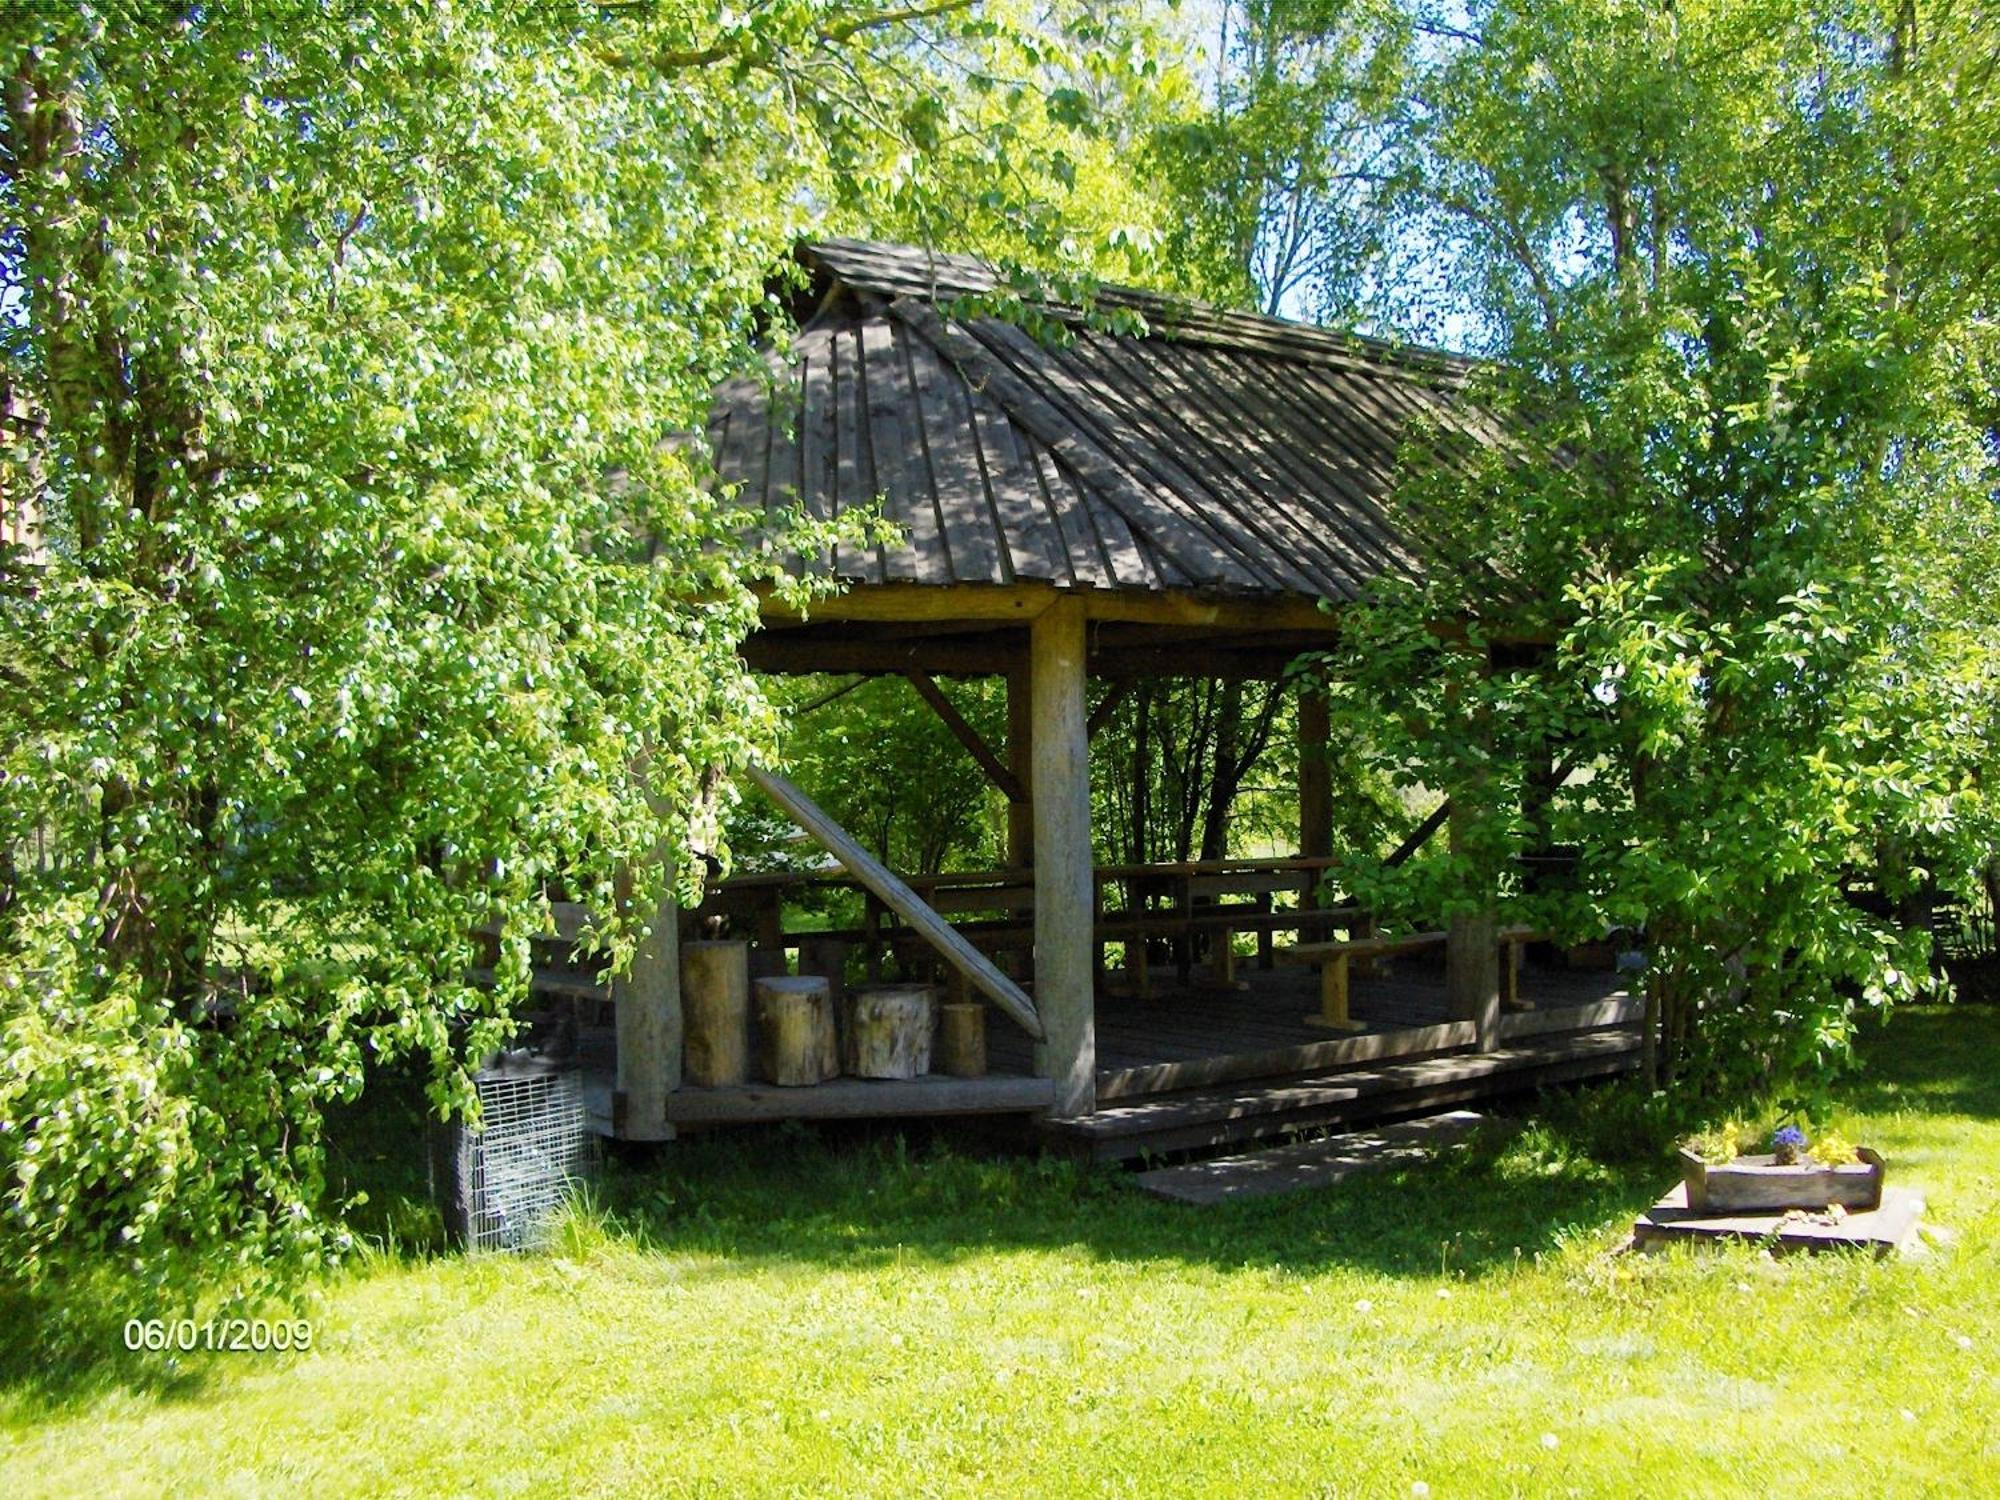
x,y
891,269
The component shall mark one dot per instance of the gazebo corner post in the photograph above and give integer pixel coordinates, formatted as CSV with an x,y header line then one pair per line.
x,y
1065,988
1472,969
1315,796
1021,761
646,1004
1472,938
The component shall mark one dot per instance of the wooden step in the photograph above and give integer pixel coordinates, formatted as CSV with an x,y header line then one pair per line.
x,y
1317,1163
1202,1118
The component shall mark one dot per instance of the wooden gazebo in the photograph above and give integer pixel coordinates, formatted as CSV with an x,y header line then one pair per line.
x,y
1199,498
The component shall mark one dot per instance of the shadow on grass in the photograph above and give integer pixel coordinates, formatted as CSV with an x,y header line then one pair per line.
x,y
1573,1163
852,1197
58,1347
63,1344
1940,1059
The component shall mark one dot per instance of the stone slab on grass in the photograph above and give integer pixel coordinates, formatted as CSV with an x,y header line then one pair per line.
x,y
1309,1164
1887,1230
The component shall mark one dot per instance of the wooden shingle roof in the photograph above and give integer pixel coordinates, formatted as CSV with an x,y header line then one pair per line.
x,y
1219,451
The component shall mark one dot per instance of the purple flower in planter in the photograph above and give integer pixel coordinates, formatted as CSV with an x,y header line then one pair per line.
x,y
1786,1144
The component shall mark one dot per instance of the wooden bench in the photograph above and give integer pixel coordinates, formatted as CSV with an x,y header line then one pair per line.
x,y
1333,960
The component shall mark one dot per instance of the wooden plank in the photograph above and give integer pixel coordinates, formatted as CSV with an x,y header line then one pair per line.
x,y
1619,1009
1029,536
1040,425
1348,1112
1420,835
1331,490
1371,947
1065,951
1169,523
1238,1066
905,494
1175,510
1062,499
1203,612
860,1098
1221,467
965,510
1133,561
899,898
995,769
1300,1165
1350,1083
855,477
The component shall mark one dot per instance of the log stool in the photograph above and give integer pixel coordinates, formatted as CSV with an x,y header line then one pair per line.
x,y
795,1036
889,1031
961,1043
715,1004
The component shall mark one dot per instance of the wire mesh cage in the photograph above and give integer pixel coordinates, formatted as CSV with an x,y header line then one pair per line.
x,y
503,1186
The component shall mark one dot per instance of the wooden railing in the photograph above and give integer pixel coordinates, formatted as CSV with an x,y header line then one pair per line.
x,y
1137,905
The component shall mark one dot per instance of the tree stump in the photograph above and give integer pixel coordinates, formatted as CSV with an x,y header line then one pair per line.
x,y
795,1038
889,1031
962,1039
715,1009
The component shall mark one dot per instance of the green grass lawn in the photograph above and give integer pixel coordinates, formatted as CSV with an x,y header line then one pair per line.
x,y
786,1314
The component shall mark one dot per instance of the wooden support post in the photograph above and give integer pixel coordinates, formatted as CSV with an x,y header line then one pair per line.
x,y
1512,942
1472,949
1021,761
1472,967
647,1015
1222,961
1064,887
1315,799
885,886
1333,1014
996,770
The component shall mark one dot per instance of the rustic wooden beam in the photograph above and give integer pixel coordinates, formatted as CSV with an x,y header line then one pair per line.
x,y
1065,894
825,698
1472,946
1315,789
1424,831
1420,835
765,651
996,770
1019,603
882,883
1021,761
647,1020
788,653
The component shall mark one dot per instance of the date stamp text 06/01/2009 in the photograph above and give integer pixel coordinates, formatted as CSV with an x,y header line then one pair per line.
x,y
225,1335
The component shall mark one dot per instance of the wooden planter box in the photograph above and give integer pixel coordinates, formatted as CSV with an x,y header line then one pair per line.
x,y
1759,1183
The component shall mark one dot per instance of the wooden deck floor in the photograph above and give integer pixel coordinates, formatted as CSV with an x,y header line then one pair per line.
x,y
1194,1036
1180,1038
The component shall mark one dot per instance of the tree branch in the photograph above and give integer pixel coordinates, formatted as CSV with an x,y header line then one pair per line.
x,y
741,46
